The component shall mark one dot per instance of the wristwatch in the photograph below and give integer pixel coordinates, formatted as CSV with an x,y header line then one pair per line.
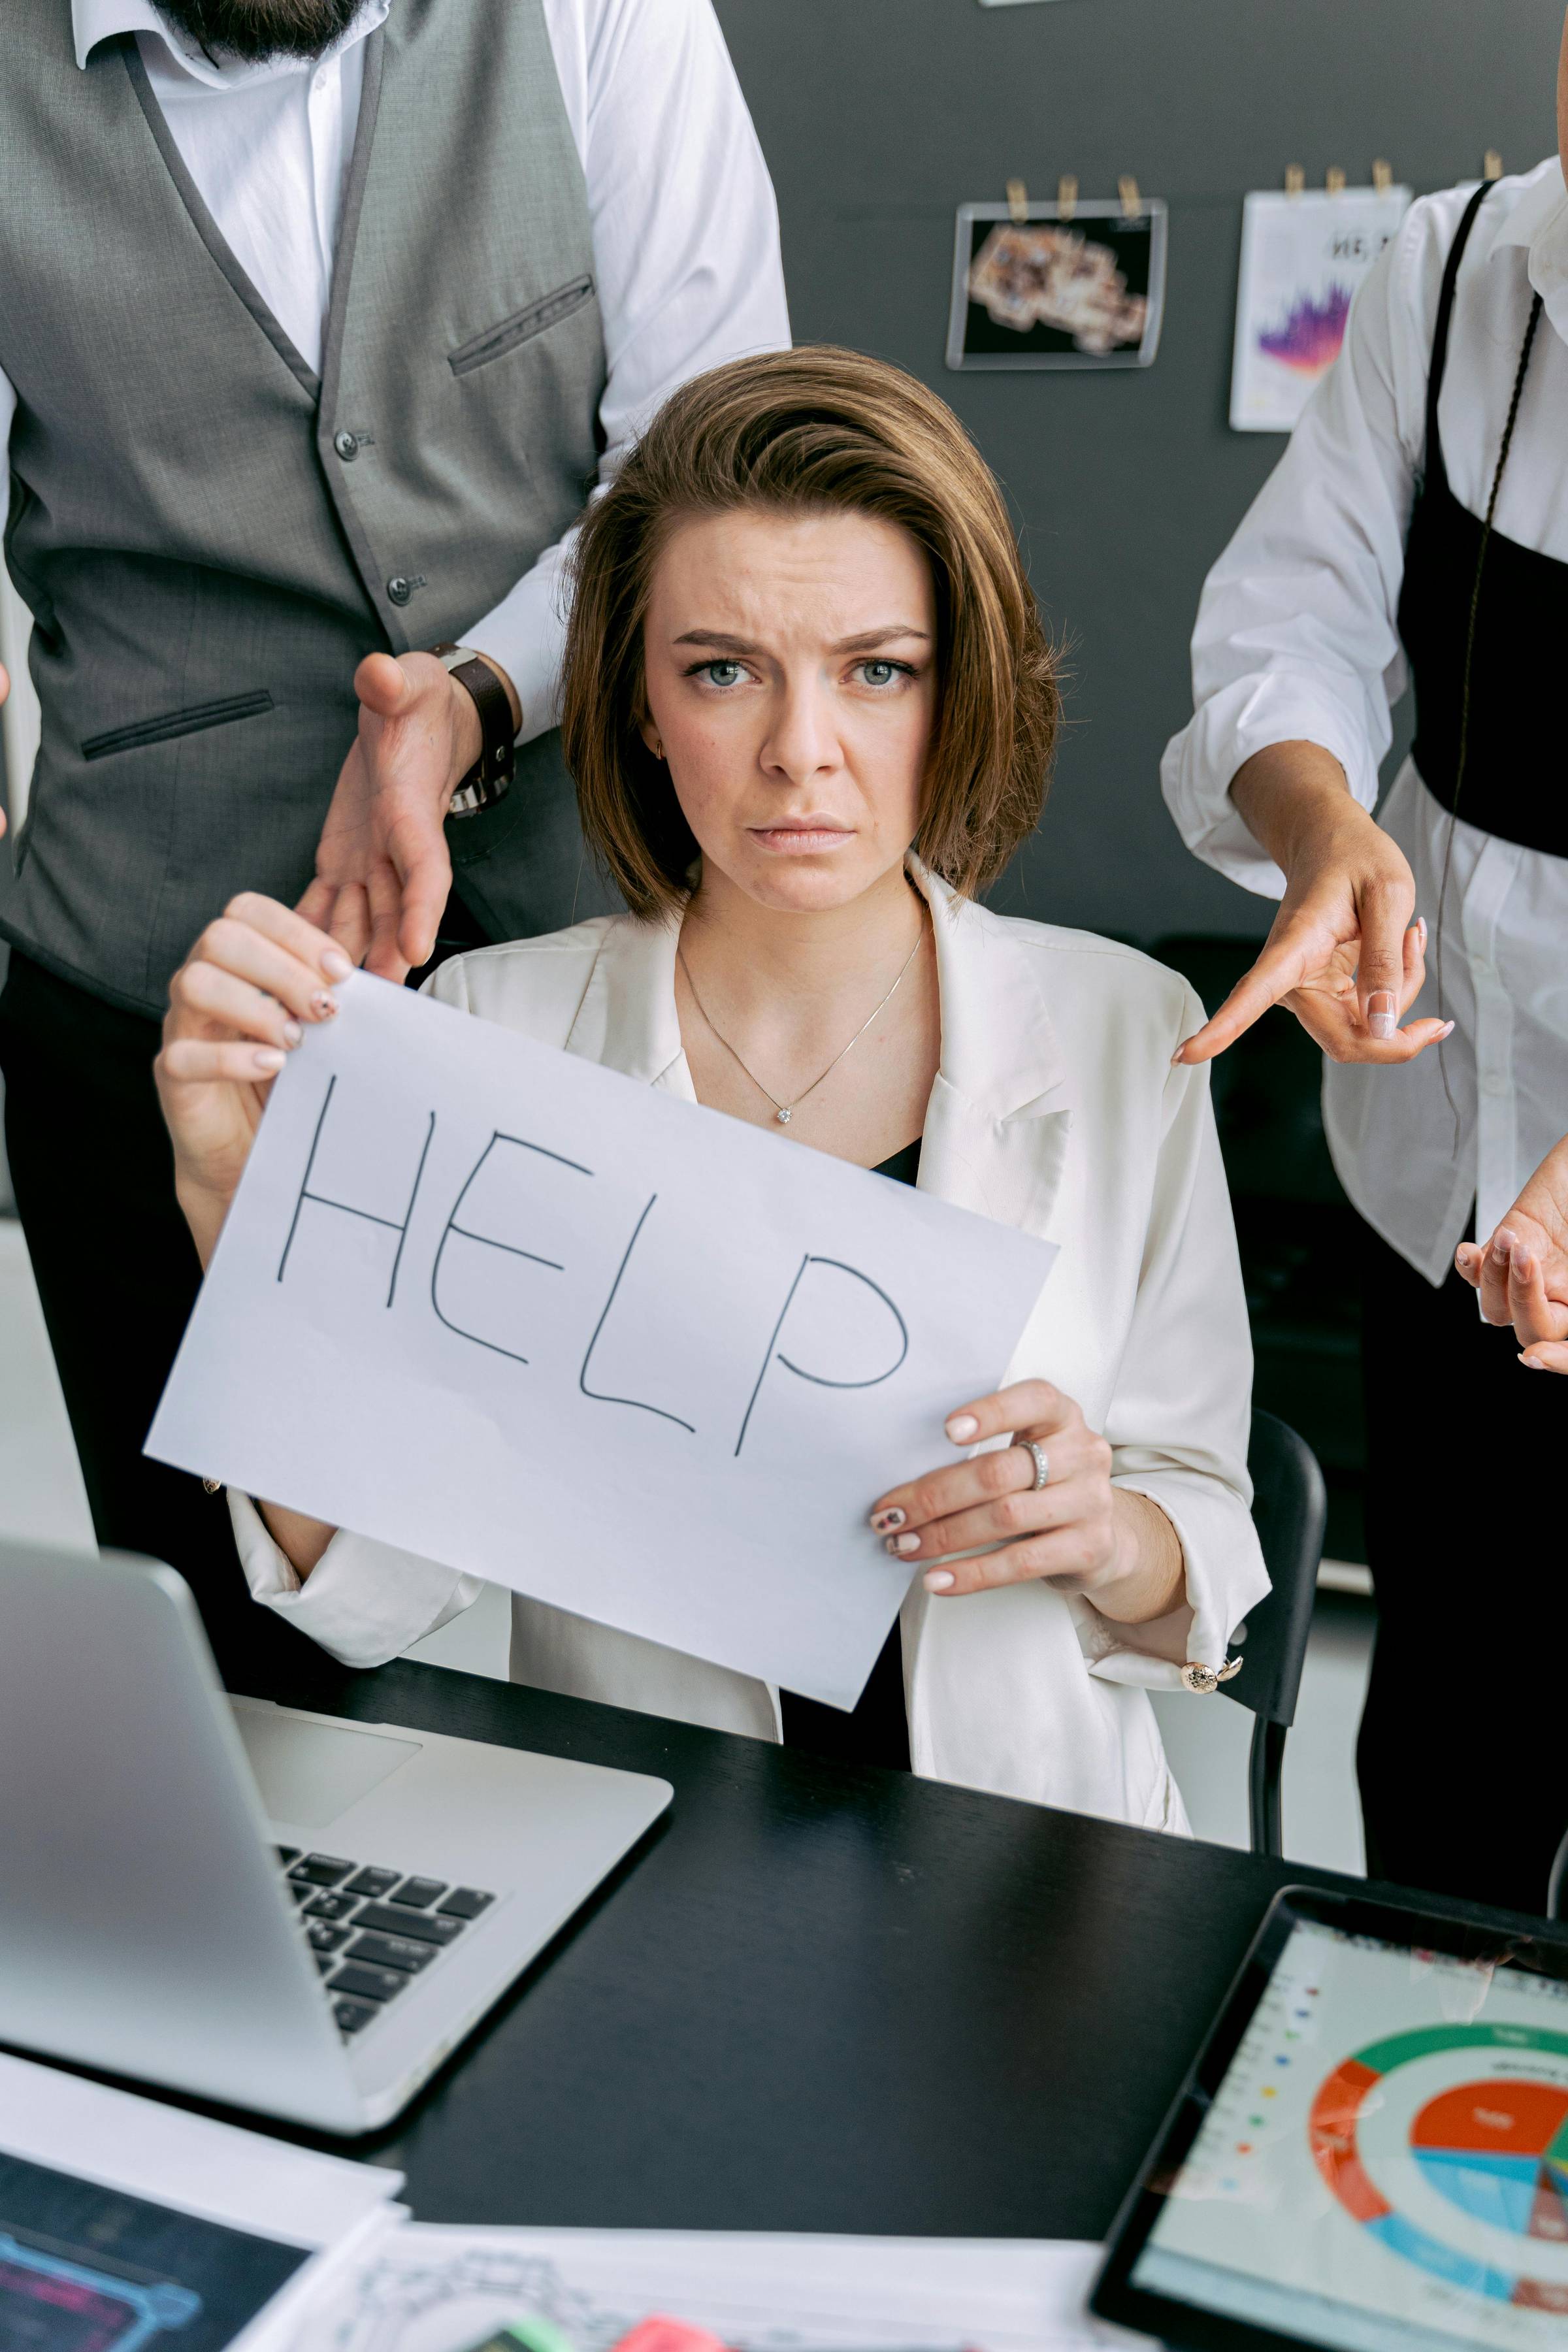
x,y
490,779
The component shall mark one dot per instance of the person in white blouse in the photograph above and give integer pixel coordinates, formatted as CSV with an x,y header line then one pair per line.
x,y
1416,532
809,711
320,321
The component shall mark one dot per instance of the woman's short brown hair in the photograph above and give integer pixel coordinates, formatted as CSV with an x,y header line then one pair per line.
x,y
814,430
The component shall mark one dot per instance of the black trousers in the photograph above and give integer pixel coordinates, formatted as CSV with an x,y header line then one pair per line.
x,y
117,1274
1460,1756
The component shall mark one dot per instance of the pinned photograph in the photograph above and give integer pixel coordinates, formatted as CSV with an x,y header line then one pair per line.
x,y
1302,258
1080,289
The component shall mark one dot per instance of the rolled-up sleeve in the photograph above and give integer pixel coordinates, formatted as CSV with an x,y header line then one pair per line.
x,y
365,1602
1296,635
1180,1421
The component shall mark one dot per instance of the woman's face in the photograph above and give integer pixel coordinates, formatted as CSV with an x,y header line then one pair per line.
x,y
790,665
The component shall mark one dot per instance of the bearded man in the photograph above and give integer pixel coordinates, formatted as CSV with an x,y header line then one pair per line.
x,y
319,321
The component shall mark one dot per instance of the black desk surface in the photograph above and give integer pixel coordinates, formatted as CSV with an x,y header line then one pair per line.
x,y
820,1999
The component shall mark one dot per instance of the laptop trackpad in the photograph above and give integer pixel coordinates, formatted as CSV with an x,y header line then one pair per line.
x,y
309,1773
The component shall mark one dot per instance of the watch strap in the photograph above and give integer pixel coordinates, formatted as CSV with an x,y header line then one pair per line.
x,y
488,778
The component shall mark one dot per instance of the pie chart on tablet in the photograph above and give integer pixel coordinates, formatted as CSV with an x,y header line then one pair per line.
x,y
1500,2150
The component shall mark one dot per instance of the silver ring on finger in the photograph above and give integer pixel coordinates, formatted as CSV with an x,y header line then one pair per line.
x,y
1042,1461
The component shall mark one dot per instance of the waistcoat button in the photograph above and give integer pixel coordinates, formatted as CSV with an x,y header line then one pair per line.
x,y
398,589
345,444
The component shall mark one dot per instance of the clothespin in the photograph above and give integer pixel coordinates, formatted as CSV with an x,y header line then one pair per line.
x,y
1018,201
1295,179
1067,196
1491,167
1382,176
1132,203
1334,180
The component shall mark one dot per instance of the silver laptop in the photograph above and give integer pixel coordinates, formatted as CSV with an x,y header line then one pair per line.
x,y
275,1909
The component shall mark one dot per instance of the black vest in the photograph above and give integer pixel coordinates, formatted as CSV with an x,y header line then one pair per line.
x,y
1512,746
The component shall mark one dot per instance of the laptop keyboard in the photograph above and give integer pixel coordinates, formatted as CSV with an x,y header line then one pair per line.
x,y
373,1930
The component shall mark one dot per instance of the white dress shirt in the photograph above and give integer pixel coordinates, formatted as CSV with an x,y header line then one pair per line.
x,y
1297,639
1056,1109
686,246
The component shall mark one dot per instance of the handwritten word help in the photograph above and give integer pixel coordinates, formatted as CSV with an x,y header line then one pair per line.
x,y
491,1304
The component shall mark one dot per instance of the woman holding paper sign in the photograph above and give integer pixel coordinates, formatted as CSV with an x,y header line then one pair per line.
x,y
810,712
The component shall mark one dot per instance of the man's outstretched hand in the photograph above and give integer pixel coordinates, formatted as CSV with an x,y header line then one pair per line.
x,y
1343,953
383,871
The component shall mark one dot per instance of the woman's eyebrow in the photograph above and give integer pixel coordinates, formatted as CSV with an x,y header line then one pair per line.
x,y
860,644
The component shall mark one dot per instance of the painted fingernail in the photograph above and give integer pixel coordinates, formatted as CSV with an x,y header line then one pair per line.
x,y
1381,1014
1523,1264
293,1032
1506,1239
938,1579
962,1427
335,964
885,1521
1533,1364
902,1546
1445,1031
267,1060
1421,928
323,1005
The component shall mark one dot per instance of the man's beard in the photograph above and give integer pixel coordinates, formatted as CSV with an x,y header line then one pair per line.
x,y
255,29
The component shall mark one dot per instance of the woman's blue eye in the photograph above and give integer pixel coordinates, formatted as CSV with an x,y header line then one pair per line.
x,y
881,673
723,673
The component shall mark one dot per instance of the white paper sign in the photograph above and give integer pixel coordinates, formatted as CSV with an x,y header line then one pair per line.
x,y
507,1309
1303,259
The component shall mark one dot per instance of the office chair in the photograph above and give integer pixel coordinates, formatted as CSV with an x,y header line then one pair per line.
x,y
1289,1509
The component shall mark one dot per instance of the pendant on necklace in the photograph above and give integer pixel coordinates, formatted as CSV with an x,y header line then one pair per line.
x,y
781,1117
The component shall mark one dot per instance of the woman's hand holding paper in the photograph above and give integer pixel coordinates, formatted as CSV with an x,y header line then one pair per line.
x,y
1072,1529
237,1005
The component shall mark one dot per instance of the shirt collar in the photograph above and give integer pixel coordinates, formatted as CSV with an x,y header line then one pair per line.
x,y
93,21
1538,223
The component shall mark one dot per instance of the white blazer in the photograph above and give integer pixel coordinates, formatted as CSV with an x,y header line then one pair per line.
x,y
1057,1109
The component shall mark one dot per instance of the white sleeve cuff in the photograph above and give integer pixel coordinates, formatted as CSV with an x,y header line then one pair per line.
x,y
364,1602
1224,1577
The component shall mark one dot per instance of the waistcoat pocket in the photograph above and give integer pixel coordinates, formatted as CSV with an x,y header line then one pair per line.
x,y
523,325
163,729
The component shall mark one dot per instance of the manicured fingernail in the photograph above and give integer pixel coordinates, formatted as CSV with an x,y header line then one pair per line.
x,y
938,1579
1445,1031
323,1005
1505,1239
885,1521
1421,928
1381,1014
902,1546
267,1060
293,1032
1523,1264
1533,1364
335,964
962,1427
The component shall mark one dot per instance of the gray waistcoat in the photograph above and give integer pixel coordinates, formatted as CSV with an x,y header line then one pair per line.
x,y
210,539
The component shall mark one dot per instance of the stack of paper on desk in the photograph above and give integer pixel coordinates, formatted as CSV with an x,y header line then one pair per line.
x,y
429,2290
127,2226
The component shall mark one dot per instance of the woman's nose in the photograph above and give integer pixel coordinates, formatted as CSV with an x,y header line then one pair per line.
x,y
802,741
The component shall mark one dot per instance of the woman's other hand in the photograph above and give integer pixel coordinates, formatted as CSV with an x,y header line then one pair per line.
x,y
1077,1533
238,1004
1522,1273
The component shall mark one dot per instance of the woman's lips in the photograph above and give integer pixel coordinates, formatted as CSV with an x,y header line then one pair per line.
x,y
800,837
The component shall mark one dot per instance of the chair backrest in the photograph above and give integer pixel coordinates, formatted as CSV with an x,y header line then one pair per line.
x,y
1290,1510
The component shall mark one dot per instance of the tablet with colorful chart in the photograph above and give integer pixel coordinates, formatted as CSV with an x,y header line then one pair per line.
x,y
1381,2163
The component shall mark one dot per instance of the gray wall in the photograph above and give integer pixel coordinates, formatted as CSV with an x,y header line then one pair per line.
x,y
879,117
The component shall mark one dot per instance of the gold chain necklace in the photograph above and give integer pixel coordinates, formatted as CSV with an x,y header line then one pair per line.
x,y
784,1112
